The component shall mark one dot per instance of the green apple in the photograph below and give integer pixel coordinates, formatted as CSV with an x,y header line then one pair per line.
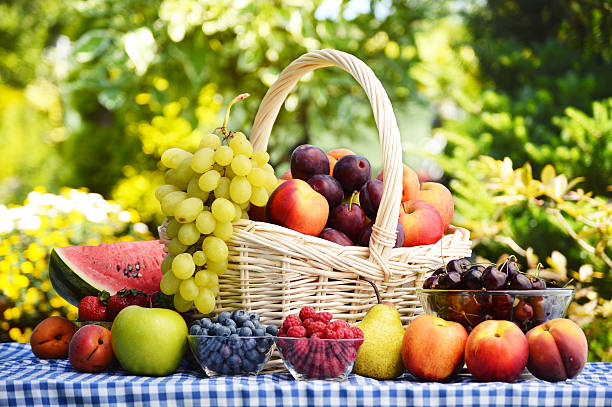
x,y
149,341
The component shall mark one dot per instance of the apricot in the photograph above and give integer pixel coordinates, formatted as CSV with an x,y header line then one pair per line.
x,y
91,349
51,337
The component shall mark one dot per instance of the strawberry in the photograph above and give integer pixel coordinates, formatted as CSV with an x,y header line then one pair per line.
x,y
125,298
92,308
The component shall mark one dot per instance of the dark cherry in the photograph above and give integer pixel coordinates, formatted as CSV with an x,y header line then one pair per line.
x,y
329,187
352,171
308,160
364,237
472,277
523,311
493,279
439,271
520,282
369,197
431,282
348,219
458,265
509,268
336,236
538,284
450,281
502,306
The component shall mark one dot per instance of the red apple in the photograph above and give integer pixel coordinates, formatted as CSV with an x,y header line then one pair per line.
x,y
557,350
441,198
433,349
421,222
91,349
295,205
410,183
51,337
496,350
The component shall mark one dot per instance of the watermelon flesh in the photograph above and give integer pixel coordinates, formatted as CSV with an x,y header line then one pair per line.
x,y
79,271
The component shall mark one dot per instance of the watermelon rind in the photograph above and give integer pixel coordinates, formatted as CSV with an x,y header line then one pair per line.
x,y
68,284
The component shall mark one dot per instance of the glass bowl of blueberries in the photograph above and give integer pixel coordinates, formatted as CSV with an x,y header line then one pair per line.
x,y
471,293
234,343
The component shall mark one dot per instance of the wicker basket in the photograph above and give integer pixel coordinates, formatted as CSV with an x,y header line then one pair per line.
x,y
275,271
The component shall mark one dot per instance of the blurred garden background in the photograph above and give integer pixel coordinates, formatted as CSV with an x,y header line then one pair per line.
x,y
509,103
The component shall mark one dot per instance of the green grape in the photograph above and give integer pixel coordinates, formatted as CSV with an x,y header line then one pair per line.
x,y
183,266
175,246
203,160
184,172
244,215
170,202
205,301
219,168
169,284
223,231
181,304
223,210
188,234
222,190
210,140
188,210
193,190
223,155
188,289
172,228
209,180
240,190
170,177
219,268
172,157
215,290
166,264
229,173
199,258
205,222
271,182
245,205
259,196
206,278
267,168
257,177
260,157
214,248
238,212
163,190
241,165
241,145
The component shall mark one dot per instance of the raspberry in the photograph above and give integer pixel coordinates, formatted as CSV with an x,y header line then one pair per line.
x,y
307,322
281,332
316,326
331,334
337,325
301,347
347,356
357,332
346,333
307,312
324,317
314,372
335,367
318,334
297,332
291,320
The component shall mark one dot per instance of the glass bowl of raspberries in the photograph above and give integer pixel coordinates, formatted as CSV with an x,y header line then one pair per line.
x,y
315,346
471,293
234,343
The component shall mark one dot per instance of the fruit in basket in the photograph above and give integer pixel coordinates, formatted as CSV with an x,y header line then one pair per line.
x,y
432,348
348,219
308,160
352,171
91,349
294,204
149,341
440,198
496,351
336,236
51,337
558,350
338,153
93,308
421,222
78,271
366,233
329,187
410,183
124,298
380,355
370,195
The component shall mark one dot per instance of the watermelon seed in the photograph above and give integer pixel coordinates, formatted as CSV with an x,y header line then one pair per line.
x,y
129,267
125,273
118,268
134,274
137,266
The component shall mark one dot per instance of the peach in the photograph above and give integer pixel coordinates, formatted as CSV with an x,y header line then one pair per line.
x,y
410,183
91,349
51,337
295,205
496,350
432,348
286,175
441,199
421,222
557,350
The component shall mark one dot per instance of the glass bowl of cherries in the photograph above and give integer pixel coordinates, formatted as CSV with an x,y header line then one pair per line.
x,y
471,293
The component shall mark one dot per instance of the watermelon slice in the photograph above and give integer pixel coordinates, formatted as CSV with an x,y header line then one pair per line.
x,y
79,271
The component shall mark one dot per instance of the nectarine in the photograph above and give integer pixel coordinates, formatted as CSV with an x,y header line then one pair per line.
x,y
421,222
91,349
51,337
410,183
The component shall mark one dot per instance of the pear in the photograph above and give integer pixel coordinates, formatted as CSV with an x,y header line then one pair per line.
x,y
379,357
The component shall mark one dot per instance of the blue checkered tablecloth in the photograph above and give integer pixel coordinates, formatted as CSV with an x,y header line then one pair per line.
x,y
27,381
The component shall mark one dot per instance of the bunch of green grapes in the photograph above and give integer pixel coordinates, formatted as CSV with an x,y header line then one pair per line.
x,y
205,192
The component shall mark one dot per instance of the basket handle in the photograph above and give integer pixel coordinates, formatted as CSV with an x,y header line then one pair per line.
x,y
384,230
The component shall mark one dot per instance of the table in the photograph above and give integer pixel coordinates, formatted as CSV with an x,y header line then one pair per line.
x,y
26,380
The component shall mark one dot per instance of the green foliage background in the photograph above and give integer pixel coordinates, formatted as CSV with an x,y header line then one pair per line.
x,y
93,92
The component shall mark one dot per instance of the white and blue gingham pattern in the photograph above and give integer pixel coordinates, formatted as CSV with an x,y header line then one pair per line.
x,y
27,381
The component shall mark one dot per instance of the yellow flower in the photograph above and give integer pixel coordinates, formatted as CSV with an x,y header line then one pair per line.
x,y
27,267
15,334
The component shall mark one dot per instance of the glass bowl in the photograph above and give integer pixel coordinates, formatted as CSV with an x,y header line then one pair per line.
x,y
526,308
231,355
313,358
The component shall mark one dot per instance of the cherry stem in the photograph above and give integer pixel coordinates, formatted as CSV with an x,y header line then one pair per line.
x,y
351,200
375,290
227,111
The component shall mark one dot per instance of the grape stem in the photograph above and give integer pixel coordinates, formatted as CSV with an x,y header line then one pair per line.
x,y
227,111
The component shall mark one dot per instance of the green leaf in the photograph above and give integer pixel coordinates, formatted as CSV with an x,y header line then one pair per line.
x,y
91,45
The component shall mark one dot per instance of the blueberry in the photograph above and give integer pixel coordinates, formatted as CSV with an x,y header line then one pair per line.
x,y
195,330
253,316
235,342
253,355
235,361
226,370
248,324
249,344
244,331
205,323
233,329
272,330
248,366
259,332
214,329
263,345
240,316
223,316
204,331
224,331
226,352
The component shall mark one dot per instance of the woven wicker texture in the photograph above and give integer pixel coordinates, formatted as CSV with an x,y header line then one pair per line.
x,y
276,271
